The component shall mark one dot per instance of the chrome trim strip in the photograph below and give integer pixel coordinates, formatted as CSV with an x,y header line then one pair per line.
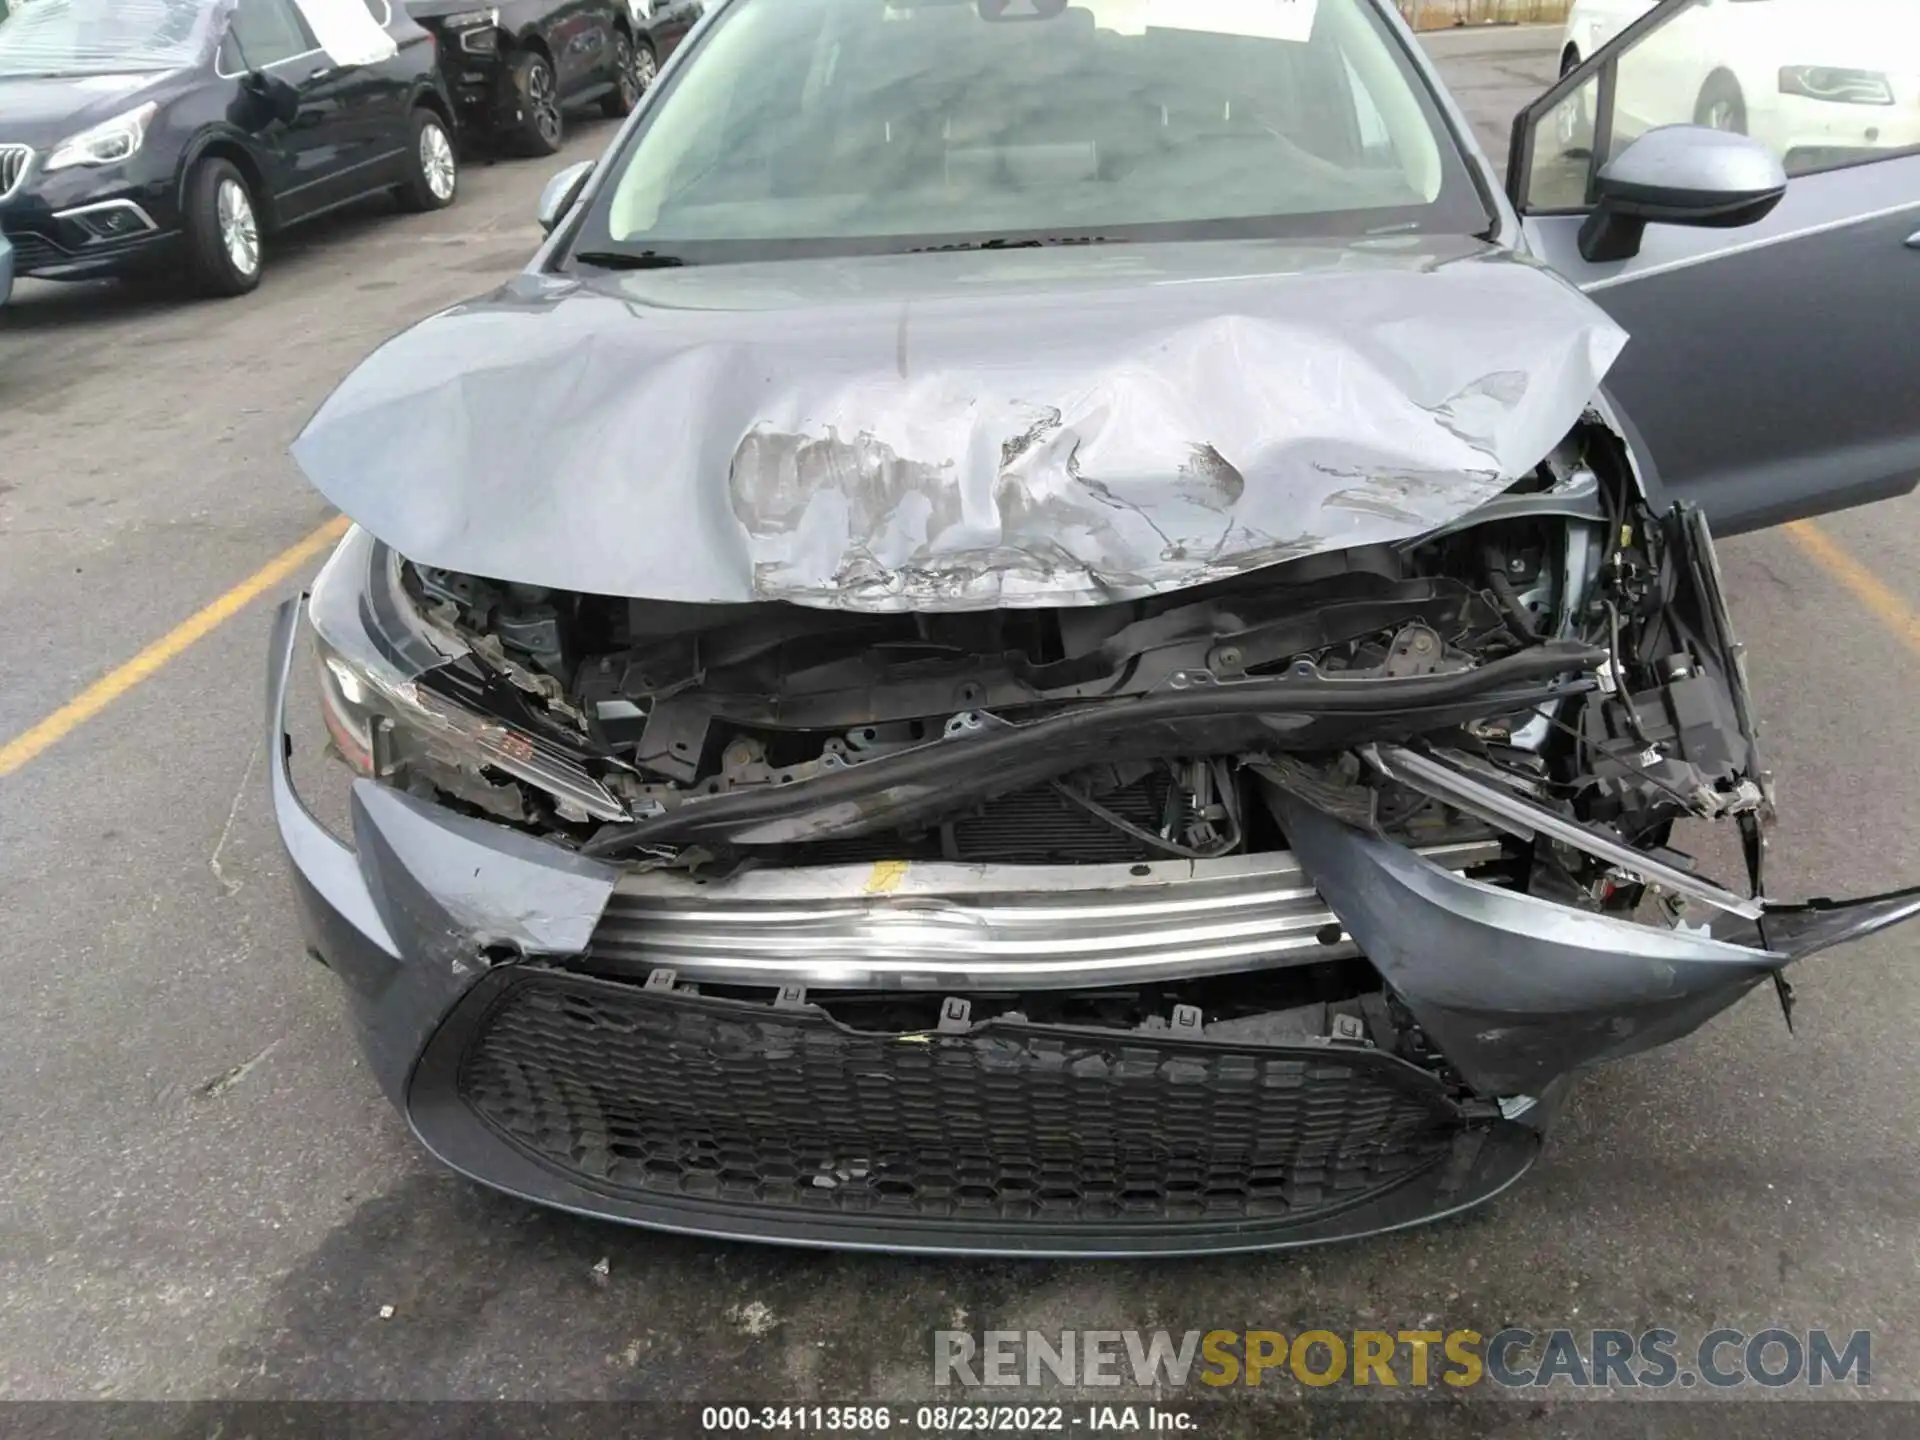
x,y
1524,818
18,159
270,65
895,925
81,211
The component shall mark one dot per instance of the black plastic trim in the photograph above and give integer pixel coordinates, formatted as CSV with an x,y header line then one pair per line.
x,y
462,1140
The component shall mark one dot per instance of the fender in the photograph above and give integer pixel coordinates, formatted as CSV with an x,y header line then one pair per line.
x,y
266,201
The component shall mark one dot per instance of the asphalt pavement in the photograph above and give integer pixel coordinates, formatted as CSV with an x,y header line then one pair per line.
x,y
205,1194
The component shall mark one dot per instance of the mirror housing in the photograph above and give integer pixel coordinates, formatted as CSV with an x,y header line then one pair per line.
x,y
1680,175
557,198
273,99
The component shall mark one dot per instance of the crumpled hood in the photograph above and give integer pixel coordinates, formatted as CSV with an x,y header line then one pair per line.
x,y
960,431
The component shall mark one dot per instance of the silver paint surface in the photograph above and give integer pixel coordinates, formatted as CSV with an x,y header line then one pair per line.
x,y
960,431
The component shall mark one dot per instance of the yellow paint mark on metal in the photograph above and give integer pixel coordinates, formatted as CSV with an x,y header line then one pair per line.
x,y
1888,607
888,876
111,686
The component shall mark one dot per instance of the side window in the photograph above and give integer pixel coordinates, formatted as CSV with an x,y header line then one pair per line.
x,y
1823,83
381,12
262,33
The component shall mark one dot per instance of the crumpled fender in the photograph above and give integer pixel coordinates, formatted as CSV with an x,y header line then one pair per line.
x,y
407,915
1516,991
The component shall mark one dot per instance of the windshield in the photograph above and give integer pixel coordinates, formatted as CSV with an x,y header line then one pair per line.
x,y
815,125
102,37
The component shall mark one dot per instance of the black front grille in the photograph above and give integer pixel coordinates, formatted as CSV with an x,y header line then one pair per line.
x,y
661,1095
14,160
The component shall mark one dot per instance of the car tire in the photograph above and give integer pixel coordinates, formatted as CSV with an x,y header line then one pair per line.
x,y
634,68
433,166
1722,106
541,129
224,252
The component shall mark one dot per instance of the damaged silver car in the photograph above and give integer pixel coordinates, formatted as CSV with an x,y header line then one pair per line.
x,y
1051,626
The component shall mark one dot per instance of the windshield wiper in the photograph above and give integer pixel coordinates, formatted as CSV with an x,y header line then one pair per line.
x,y
629,259
1011,242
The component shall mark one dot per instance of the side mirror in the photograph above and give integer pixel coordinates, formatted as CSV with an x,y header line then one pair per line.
x,y
274,98
560,193
1681,175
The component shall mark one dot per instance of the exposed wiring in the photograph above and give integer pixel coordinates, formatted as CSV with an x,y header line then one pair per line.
x,y
1227,845
1685,800
1620,676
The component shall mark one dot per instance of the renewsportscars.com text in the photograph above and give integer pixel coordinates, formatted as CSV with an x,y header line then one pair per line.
x,y
1515,1359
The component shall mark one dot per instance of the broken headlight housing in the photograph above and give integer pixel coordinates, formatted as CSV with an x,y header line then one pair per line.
x,y
385,717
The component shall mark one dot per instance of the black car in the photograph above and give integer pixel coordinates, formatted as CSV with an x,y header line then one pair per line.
x,y
512,68
175,136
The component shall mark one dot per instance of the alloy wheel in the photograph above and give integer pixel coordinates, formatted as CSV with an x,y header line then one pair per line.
x,y
545,102
627,72
437,164
239,229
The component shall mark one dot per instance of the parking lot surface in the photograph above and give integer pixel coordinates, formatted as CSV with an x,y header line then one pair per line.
x,y
206,1195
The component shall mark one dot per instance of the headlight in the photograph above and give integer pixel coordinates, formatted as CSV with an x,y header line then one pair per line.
x,y
1842,87
373,652
479,29
107,143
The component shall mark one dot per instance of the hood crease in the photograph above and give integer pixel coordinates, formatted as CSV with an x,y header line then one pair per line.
x,y
779,432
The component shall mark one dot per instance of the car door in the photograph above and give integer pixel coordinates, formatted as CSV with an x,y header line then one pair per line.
x,y
315,139
1773,370
372,89
580,35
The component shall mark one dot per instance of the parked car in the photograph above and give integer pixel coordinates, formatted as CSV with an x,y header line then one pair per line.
x,y
1041,628
514,68
177,137
1820,81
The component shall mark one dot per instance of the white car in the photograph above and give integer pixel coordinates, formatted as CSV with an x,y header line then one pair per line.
x,y
1817,80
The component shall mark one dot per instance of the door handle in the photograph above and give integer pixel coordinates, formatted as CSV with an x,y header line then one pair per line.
x,y
1913,241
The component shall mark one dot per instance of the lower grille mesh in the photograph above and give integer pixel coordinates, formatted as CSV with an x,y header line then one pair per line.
x,y
652,1092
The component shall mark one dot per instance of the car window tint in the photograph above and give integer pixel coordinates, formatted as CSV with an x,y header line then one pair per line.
x,y
264,32
1823,83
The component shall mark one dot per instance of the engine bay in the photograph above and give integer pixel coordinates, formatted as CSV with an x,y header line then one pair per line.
x,y
1565,646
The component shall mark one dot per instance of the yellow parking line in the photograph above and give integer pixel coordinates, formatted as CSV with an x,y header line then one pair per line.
x,y
111,686
1888,607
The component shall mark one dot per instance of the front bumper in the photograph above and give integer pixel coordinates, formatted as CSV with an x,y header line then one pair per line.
x,y
539,1018
93,222
1814,135
477,80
